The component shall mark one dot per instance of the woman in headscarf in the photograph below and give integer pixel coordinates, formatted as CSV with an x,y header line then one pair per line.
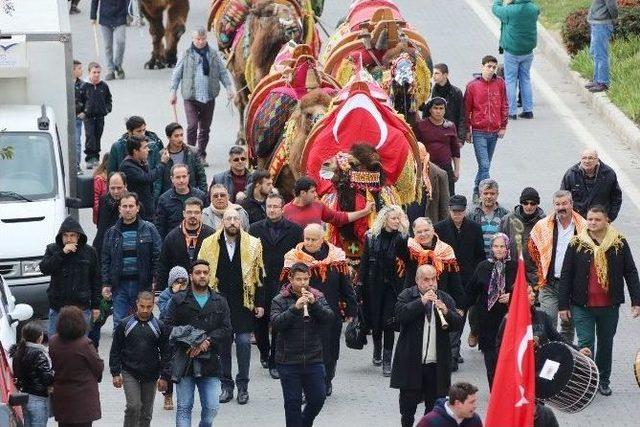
x,y
382,269
490,289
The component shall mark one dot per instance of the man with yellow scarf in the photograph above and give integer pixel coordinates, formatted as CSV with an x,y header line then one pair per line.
x,y
597,263
236,273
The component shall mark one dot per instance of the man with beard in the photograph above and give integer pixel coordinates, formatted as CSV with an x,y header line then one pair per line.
x,y
527,213
203,309
108,212
257,192
548,243
330,275
183,243
171,203
237,269
298,314
278,236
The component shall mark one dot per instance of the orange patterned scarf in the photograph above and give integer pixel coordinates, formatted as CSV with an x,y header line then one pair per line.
x,y
441,256
336,259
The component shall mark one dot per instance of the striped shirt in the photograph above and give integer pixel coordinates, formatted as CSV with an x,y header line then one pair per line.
x,y
129,252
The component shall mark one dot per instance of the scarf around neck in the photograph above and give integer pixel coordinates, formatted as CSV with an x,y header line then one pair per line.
x,y
584,242
191,240
441,257
335,259
203,54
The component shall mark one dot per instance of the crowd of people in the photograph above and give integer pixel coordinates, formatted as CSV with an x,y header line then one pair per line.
x,y
227,260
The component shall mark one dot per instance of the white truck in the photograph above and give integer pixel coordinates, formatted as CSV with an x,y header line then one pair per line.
x,y
39,185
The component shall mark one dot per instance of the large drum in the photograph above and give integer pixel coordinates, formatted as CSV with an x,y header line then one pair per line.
x,y
565,378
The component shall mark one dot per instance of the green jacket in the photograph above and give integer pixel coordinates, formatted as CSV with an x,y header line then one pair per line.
x,y
518,34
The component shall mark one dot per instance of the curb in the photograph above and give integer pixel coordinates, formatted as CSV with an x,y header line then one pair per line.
x,y
617,120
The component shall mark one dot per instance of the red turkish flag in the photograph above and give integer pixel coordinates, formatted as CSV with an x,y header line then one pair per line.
x,y
512,401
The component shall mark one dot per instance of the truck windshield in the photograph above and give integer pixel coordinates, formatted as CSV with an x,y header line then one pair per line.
x,y
29,173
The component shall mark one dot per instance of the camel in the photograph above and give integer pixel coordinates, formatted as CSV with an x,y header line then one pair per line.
x,y
165,55
268,27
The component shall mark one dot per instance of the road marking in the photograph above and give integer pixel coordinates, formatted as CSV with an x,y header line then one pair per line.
x,y
565,113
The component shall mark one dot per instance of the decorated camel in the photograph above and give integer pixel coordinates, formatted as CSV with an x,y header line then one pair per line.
x,y
164,53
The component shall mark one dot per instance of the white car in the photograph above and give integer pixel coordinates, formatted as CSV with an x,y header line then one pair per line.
x,y
10,314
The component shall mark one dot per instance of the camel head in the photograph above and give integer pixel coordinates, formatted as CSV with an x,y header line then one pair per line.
x,y
272,25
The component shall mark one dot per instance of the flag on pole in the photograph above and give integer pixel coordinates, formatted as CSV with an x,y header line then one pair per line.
x,y
512,401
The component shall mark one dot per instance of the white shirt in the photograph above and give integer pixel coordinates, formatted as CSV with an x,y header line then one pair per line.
x,y
231,245
564,236
429,354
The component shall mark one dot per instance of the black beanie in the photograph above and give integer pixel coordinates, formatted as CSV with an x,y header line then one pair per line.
x,y
529,193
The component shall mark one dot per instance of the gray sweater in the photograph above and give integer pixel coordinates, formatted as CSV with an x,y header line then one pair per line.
x,y
603,12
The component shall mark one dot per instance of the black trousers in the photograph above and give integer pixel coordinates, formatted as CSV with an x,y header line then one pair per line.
x,y
409,399
265,340
490,361
93,127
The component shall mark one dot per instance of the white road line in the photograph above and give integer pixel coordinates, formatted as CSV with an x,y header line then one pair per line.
x,y
563,111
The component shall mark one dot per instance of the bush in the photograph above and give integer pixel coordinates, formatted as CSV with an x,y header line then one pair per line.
x,y
576,31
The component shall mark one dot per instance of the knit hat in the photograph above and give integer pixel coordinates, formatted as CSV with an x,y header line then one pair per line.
x,y
530,194
176,273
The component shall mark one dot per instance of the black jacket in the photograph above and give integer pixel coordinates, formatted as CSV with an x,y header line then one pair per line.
x,y
108,214
299,342
77,86
213,318
174,252
467,244
75,277
605,190
141,348
35,372
171,206
454,111
477,293
574,280
506,227
197,175
113,13
407,359
95,100
140,180
255,209
273,251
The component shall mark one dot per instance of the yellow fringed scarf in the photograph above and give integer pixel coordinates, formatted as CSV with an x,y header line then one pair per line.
x,y
250,262
441,257
584,242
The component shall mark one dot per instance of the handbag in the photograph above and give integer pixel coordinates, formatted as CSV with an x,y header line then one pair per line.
x,y
355,334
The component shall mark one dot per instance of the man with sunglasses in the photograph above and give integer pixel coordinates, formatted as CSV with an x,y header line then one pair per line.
x,y
238,177
212,214
528,212
486,110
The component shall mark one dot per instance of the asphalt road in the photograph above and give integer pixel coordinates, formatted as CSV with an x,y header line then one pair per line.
x,y
534,153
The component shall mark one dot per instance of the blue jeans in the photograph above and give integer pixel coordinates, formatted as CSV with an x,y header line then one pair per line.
x,y
36,412
243,358
484,144
114,36
599,50
53,320
209,390
517,72
124,301
296,378
599,323
78,140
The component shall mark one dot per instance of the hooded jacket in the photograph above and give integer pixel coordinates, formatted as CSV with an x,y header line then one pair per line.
x,y
75,278
507,227
439,417
485,105
518,35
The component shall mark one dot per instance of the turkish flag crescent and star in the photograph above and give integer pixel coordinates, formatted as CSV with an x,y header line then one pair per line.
x,y
512,401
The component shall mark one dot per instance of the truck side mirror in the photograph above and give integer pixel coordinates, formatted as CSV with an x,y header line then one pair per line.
x,y
20,313
85,193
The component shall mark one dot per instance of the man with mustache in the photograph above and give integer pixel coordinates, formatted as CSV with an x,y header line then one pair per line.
x,y
237,271
548,243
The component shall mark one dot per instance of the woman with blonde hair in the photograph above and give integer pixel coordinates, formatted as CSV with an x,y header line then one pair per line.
x,y
382,268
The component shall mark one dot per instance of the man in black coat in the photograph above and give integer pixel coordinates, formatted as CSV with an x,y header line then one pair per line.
x,y
422,359
330,275
108,207
278,236
443,88
201,308
591,182
75,277
465,237
299,314
257,193
182,244
140,177
171,203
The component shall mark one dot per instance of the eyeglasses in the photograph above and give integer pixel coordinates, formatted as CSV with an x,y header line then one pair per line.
x,y
181,281
239,159
529,203
219,195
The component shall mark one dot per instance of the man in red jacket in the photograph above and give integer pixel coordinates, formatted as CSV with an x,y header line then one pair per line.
x,y
486,109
